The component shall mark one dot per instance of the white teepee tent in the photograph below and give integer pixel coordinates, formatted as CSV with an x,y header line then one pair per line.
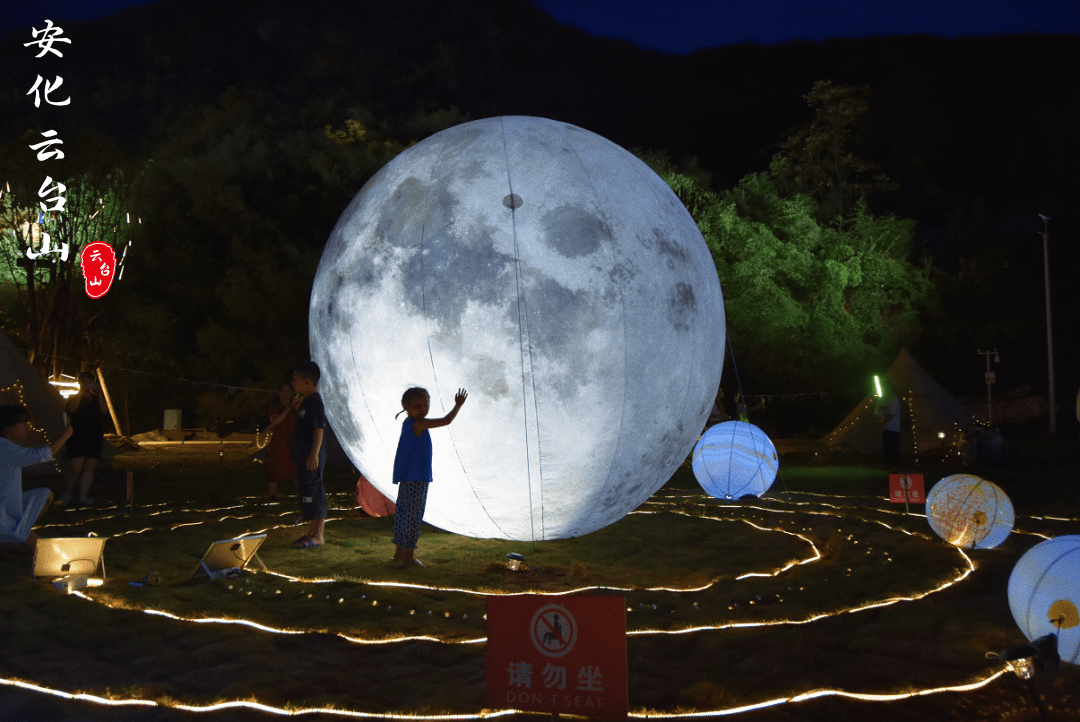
x,y
932,420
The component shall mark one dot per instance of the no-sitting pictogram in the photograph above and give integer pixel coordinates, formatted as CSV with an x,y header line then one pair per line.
x,y
907,488
553,630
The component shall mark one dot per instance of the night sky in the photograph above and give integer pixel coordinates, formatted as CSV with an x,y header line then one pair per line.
x,y
682,26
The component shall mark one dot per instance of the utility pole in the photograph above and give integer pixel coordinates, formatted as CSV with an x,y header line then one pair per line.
x,y
989,380
1049,332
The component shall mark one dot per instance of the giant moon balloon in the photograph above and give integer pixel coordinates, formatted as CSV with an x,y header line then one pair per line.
x,y
1044,593
558,279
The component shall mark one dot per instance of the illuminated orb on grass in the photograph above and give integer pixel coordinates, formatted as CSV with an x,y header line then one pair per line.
x,y
1044,593
969,512
735,459
558,279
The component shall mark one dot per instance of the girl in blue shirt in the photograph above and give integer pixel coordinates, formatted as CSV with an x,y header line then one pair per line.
x,y
412,469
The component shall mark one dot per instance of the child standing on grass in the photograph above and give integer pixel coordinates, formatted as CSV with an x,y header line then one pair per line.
x,y
412,470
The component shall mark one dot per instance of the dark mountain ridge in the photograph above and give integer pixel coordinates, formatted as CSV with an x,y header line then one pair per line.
x,y
941,104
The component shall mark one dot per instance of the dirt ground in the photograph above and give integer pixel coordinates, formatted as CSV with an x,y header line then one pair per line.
x,y
1041,479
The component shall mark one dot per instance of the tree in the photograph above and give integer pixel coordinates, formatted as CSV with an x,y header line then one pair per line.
x,y
807,302
52,312
826,158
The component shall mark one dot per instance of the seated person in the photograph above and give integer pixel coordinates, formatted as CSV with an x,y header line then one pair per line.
x,y
20,510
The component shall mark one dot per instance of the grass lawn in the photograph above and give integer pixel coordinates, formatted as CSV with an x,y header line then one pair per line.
x,y
822,585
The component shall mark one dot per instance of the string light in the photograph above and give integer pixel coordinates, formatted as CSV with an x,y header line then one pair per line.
x,y
813,618
806,696
18,388
78,697
911,412
403,585
493,714
833,510
244,704
260,442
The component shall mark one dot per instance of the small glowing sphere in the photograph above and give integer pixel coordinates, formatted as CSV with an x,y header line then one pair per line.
x,y
1044,593
562,283
734,459
969,512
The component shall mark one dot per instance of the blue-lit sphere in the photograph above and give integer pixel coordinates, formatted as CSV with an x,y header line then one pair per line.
x,y
1044,594
969,512
735,459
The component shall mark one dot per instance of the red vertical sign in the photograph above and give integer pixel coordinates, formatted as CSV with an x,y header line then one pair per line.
x,y
563,655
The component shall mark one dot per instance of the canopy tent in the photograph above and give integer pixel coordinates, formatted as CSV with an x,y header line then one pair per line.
x,y
21,383
932,420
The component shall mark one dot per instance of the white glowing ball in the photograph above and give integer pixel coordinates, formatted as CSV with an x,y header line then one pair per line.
x,y
969,512
558,279
1044,593
735,459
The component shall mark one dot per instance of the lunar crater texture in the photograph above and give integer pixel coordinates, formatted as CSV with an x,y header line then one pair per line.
x,y
558,279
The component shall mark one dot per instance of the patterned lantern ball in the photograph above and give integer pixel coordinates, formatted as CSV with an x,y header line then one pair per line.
x,y
1044,593
969,512
735,459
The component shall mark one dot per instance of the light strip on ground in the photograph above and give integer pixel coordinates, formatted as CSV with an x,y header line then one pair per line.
x,y
492,714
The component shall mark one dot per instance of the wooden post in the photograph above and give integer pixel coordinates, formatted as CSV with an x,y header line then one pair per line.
x,y
131,493
108,400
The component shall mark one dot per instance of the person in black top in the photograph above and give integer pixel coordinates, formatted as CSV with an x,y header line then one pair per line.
x,y
309,453
85,410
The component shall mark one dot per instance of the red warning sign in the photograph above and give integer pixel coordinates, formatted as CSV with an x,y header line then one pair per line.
x,y
563,657
554,630
906,488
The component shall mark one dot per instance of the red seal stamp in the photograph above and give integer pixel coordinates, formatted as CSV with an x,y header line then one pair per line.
x,y
98,261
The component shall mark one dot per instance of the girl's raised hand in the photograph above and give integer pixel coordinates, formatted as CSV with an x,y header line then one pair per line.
x,y
460,397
